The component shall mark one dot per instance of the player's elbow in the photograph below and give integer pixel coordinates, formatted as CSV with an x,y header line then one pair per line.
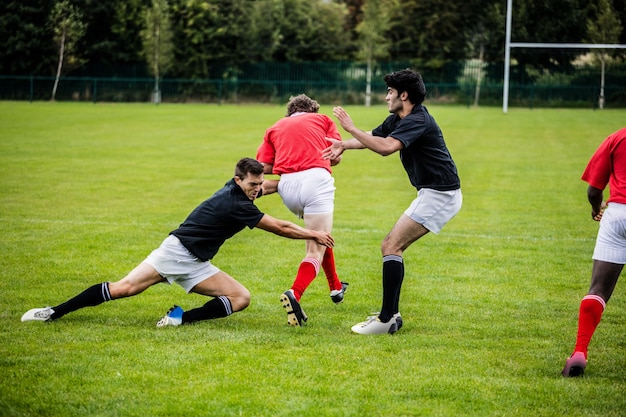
x,y
389,146
386,152
594,192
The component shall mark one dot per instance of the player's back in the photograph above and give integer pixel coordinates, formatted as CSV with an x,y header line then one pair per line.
x,y
298,141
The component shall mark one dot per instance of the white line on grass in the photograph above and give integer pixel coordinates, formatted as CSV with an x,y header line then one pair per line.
x,y
359,230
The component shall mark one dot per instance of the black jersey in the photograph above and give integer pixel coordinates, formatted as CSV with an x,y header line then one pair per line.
x,y
216,219
425,156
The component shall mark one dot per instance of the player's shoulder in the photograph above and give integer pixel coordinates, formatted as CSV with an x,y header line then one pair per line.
x,y
617,137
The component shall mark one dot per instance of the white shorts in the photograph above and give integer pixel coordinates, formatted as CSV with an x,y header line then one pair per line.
x,y
308,192
433,209
174,263
611,240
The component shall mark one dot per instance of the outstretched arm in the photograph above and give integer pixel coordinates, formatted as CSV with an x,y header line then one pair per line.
x,y
293,231
336,148
382,146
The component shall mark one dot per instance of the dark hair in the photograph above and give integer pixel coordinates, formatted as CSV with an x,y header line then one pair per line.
x,y
409,81
247,166
302,103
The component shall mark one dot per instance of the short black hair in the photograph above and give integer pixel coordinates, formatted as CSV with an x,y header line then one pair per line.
x,y
247,166
409,81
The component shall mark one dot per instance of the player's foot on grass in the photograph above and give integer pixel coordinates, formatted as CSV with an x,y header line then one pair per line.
x,y
38,314
396,316
295,314
575,365
398,319
373,325
174,317
337,295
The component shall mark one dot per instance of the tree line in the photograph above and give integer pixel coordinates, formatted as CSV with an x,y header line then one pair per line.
x,y
199,37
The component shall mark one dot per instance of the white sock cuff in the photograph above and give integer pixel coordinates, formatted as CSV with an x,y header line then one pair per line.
x,y
597,298
315,262
227,305
392,258
106,294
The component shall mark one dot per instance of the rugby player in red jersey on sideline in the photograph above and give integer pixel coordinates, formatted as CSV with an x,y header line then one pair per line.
x,y
606,167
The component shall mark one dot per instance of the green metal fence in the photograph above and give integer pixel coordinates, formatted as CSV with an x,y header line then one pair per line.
x,y
341,82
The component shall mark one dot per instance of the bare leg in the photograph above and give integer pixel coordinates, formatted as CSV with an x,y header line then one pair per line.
x,y
604,277
402,235
137,280
322,222
222,284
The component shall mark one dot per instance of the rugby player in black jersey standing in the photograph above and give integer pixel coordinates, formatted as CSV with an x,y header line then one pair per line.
x,y
413,132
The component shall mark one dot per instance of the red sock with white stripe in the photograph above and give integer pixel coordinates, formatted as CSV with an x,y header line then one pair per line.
x,y
309,268
589,315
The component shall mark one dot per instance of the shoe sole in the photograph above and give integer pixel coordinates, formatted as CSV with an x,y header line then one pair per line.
x,y
293,310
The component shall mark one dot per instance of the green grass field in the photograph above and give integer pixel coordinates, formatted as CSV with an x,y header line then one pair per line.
x,y
489,305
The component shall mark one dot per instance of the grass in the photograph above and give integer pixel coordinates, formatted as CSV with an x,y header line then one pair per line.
x,y
489,305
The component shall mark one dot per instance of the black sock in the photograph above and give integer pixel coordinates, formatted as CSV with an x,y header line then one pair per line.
x,y
92,296
214,309
393,275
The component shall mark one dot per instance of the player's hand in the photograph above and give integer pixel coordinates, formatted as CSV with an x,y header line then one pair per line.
x,y
598,216
344,119
335,161
334,151
324,238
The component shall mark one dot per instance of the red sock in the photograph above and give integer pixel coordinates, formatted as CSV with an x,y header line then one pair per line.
x,y
309,267
589,315
328,263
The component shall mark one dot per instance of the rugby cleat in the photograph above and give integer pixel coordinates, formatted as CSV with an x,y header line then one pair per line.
x,y
174,317
337,295
38,314
373,325
575,365
295,314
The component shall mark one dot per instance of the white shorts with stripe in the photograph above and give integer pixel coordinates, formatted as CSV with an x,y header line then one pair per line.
x,y
611,240
308,192
174,263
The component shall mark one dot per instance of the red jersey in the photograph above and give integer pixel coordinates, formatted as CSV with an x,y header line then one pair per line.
x,y
295,143
608,166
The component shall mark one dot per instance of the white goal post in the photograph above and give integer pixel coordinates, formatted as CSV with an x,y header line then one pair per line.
x,y
509,45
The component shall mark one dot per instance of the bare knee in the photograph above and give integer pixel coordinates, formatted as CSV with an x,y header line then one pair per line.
x,y
120,289
240,301
386,248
